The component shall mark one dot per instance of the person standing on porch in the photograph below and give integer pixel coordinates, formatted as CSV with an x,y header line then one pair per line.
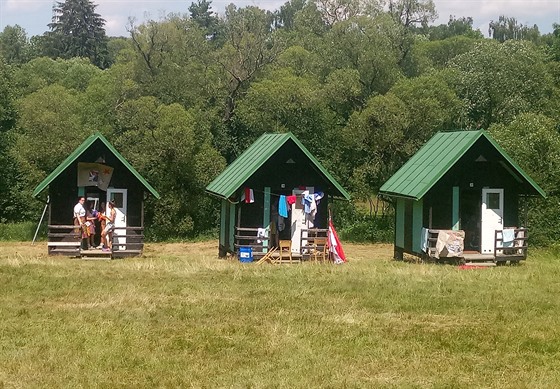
x,y
91,217
107,233
80,218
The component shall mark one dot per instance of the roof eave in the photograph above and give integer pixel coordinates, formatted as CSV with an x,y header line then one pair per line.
x,y
285,137
67,161
345,195
79,151
518,168
136,174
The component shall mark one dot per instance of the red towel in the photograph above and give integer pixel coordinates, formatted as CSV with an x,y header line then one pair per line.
x,y
249,197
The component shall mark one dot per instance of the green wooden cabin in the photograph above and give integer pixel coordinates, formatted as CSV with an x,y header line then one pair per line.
x,y
108,176
459,181
274,165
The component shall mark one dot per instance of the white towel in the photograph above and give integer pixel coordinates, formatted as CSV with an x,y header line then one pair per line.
x,y
424,239
262,233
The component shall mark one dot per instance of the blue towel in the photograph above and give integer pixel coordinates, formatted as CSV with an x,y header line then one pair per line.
x,y
508,235
283,206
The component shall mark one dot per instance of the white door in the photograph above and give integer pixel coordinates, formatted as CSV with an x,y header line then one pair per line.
x,y
299,221
492,218
120,198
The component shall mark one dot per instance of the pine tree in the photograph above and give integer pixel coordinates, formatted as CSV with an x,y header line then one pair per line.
x,y
78,31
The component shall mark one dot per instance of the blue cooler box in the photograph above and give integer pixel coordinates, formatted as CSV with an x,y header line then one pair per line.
x,y
245,254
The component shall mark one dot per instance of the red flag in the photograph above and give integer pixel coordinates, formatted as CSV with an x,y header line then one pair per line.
x,y
335,248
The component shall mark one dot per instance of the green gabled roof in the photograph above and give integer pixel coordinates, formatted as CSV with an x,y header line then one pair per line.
x,y
416,177
240,170
78,151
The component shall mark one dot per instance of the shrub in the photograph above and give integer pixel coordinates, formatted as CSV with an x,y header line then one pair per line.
x,y
21,232
356,225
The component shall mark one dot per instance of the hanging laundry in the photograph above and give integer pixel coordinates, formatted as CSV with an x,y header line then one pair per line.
x,y
305,201
262,234
248,196
281,223
318,196
291,199
508,237
282,206
310,206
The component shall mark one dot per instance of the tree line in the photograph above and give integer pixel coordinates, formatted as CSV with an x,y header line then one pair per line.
x,y
363,84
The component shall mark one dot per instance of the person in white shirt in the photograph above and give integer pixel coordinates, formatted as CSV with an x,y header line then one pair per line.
x,y
80,218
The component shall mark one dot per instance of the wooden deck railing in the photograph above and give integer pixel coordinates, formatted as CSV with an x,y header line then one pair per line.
x,y
515,249
247,237
308,240
66,240
134,241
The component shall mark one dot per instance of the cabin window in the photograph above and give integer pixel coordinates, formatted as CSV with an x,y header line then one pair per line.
x,y
493,200
119,199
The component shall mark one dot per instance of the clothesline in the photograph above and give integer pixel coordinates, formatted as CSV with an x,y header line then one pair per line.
x,y
276,194
271,194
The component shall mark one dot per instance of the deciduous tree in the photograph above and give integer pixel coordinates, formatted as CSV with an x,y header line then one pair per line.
x,y
14,45
498,81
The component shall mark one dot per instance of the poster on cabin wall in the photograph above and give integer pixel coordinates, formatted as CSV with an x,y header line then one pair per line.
x,y
94,174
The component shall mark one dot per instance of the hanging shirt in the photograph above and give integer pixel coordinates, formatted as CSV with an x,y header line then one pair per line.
x,y
305,201
309,204
318,197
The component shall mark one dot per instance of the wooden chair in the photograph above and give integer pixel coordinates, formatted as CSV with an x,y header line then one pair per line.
x,y
268,257
320,249
285,247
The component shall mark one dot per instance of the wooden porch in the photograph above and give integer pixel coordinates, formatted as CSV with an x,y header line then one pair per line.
x,y
66,240
313,246
512,251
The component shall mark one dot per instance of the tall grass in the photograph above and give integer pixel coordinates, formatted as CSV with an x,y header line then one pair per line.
x,y
180,317
20,232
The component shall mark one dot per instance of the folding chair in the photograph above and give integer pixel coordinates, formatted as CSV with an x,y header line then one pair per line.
x,y
268,257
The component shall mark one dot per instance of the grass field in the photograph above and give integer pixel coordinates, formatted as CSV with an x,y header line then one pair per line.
x,y
180,317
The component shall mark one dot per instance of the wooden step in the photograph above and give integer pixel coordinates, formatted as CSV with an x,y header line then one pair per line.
x,y
76,244
96,254
74,252
127,253
480,264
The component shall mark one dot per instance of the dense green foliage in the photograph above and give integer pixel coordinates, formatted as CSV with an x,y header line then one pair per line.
x,y
361,85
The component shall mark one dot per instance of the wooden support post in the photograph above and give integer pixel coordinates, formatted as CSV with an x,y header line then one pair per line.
x,y
231,243
455,220
266,215
222,245
417,215
399,227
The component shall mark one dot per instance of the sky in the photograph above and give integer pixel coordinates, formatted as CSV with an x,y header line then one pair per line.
x,y
34,15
